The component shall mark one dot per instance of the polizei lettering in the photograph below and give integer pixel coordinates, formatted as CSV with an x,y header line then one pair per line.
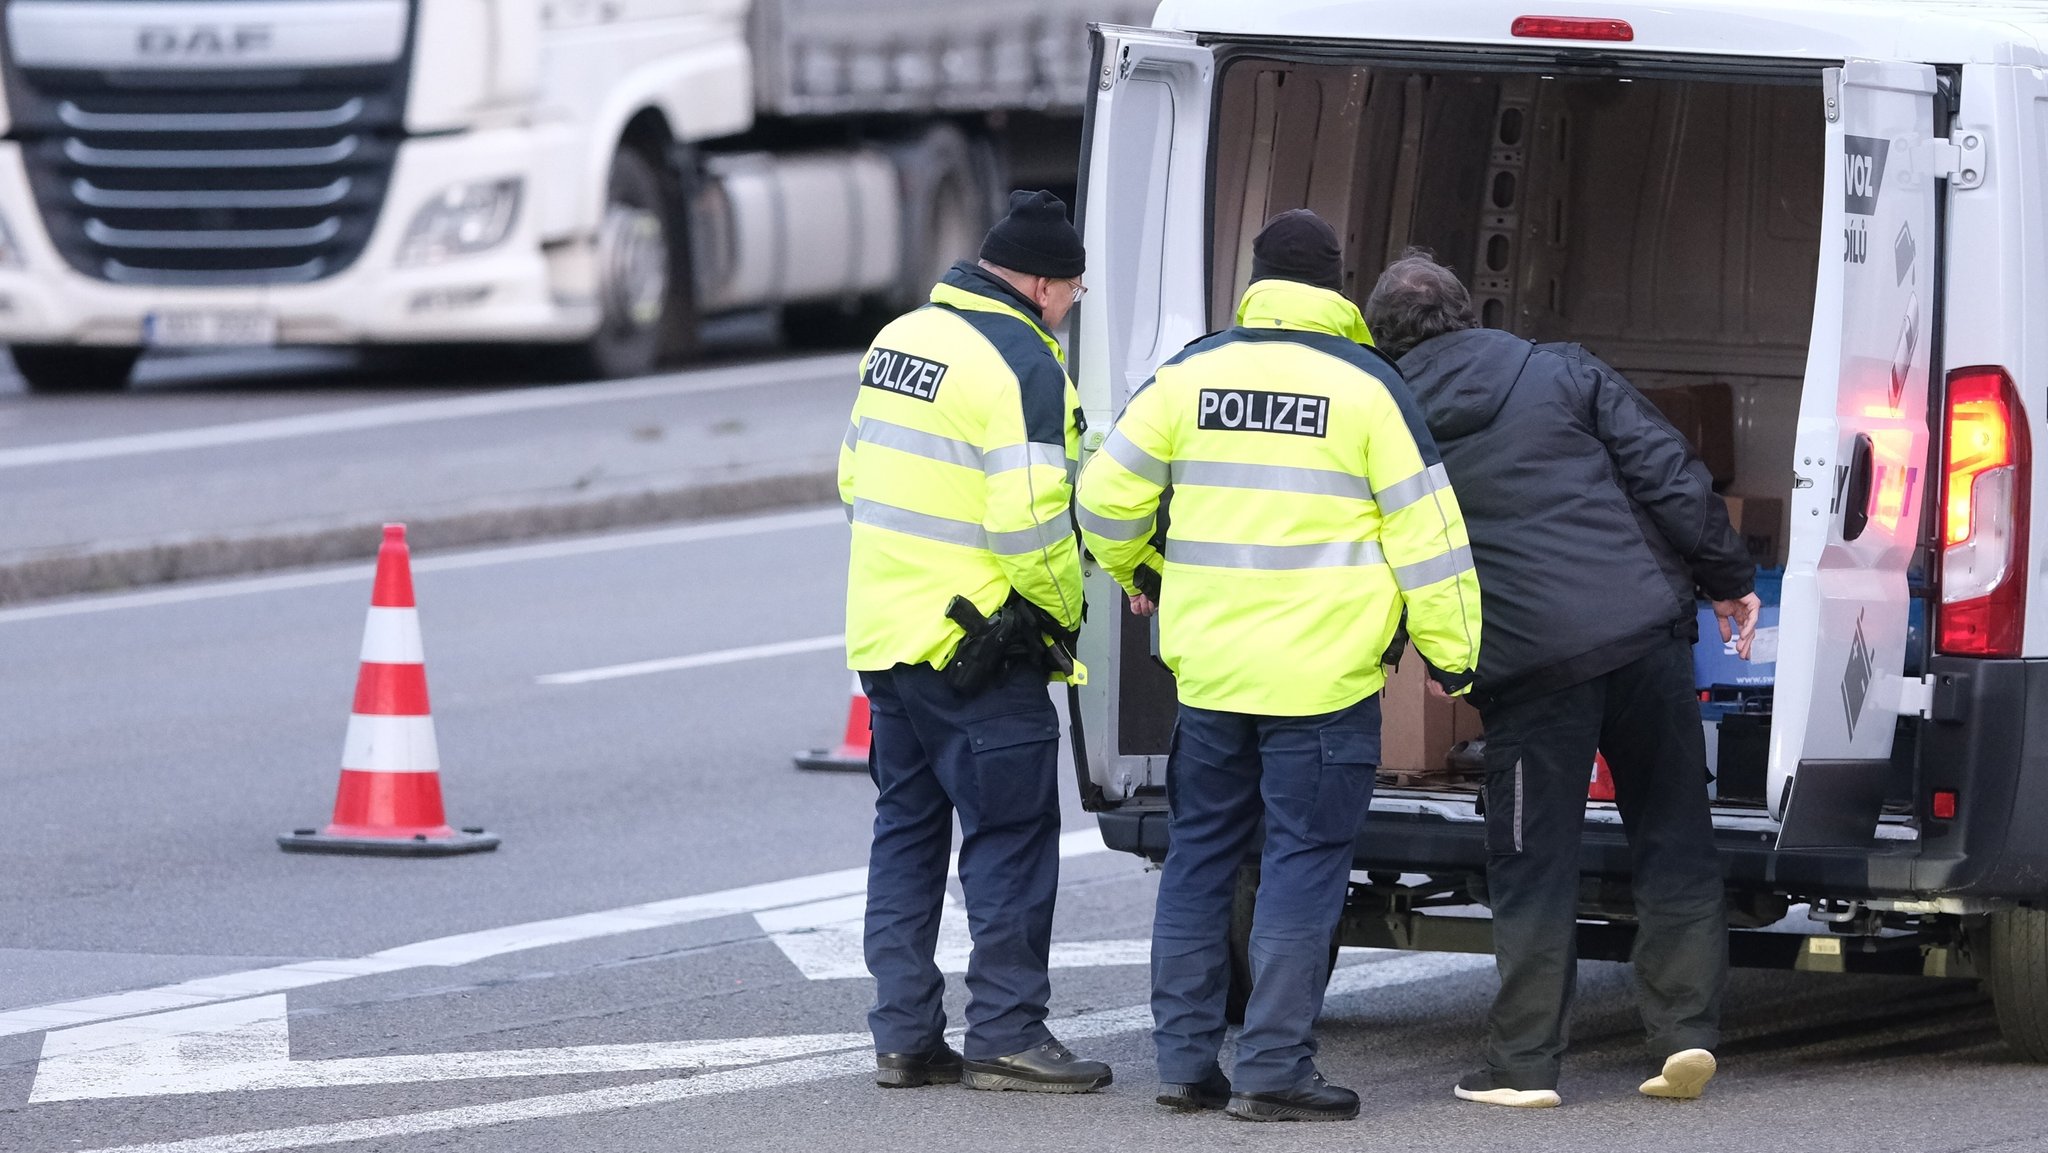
x,y
904,373
1243,410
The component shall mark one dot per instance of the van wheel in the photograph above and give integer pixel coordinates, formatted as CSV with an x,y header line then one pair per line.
x,y
1242,903
51,369
643,274
2018,964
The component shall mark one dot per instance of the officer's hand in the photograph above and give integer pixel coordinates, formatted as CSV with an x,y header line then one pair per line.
x,y
1141,605
1437,691
1742,615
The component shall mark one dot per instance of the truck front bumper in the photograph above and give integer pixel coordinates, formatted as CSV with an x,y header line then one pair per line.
x,y
505,293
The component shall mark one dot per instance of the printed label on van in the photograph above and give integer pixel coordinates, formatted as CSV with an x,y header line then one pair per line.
x,y
1864,173
1857,677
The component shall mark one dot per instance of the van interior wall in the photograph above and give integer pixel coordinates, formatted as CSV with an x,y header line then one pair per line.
x,y
1672,226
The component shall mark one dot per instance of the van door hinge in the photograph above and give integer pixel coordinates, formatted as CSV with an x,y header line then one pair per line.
x,y
1916,697
1960,159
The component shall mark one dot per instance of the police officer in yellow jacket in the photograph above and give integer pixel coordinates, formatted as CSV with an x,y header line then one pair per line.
x,y
1309,510
957,475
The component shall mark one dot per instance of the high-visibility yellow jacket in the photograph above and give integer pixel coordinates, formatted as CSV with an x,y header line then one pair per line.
x,y
957,473
1309,508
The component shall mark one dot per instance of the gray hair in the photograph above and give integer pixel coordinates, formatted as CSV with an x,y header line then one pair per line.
x,y
1416,298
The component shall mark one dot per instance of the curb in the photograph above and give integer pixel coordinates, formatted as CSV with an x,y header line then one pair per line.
x,y
160,562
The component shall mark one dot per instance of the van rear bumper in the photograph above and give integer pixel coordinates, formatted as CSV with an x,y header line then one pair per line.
x,y
1988,742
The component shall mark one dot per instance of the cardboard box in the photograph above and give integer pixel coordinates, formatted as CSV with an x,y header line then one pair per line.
x,y
1760,521
1417,729
1705,415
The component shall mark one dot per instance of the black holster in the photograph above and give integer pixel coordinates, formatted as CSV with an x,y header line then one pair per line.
x,y
1019,633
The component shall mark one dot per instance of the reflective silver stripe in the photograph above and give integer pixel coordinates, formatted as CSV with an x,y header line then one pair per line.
x,y
849,512
1016,456
1122,451
1109,528
1396,497
1341,554
943,529
1518,804
1027,540
929,445
852,434
1424,573
1271,478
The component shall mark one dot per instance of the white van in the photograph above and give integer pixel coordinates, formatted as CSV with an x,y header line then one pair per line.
x,y
1833,207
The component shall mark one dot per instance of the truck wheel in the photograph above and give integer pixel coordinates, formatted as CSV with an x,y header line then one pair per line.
x,y
1242,903
640,282
66,368
947,212
2018,964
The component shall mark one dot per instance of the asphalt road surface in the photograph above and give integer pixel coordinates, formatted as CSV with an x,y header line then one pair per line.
x,y
664,954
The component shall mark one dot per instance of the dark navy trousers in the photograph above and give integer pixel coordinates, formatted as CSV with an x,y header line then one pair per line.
x,y
1311,780
993,760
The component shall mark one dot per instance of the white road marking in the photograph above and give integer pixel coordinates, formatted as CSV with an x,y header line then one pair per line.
x,y
824,940
465,948
246,1045
423,411
1394,971
696,661
451,562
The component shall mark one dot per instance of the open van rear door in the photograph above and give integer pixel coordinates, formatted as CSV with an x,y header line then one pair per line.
x,y
1859,461
1143,217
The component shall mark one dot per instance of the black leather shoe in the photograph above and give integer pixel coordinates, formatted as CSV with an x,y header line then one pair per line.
x,y
1050,1068
1211,1092
940,1066
1312,1100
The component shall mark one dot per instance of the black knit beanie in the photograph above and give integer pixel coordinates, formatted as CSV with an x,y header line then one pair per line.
x,y
1299,245
1035,238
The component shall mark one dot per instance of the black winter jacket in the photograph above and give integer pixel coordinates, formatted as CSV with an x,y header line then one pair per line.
x,y
1592,520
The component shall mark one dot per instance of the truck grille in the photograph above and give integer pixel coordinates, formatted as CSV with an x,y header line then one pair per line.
x,y
210,179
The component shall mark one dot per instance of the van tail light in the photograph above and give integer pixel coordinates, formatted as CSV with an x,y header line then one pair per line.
x,y
1987,467
1571,28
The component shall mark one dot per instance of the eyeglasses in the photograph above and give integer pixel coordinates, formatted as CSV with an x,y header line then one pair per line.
x,y
1080,290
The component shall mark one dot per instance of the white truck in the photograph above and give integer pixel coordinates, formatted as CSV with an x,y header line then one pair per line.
x,y
593,175
1836,208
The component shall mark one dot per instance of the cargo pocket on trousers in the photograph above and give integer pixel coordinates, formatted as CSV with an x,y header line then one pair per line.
x,y
1015,759
1344,788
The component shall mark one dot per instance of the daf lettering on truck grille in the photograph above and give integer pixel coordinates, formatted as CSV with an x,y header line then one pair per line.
x,y
904,373
1245,410
156,41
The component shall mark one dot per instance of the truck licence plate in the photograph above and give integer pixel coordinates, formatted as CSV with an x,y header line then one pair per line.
x,y
192,328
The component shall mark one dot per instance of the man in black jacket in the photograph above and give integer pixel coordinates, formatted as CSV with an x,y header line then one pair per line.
x,y
1593,522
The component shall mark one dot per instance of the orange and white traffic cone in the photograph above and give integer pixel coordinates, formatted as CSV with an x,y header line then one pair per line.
x,y
852,753
389,801
1601,787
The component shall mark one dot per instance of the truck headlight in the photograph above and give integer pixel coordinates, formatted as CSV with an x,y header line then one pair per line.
x,y
465,219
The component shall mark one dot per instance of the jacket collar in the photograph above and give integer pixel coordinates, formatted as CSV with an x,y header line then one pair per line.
x,y
1292,305
970,287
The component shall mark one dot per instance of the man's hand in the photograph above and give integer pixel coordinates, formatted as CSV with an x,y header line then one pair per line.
x,y
1142,605
1437,691
1742,615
